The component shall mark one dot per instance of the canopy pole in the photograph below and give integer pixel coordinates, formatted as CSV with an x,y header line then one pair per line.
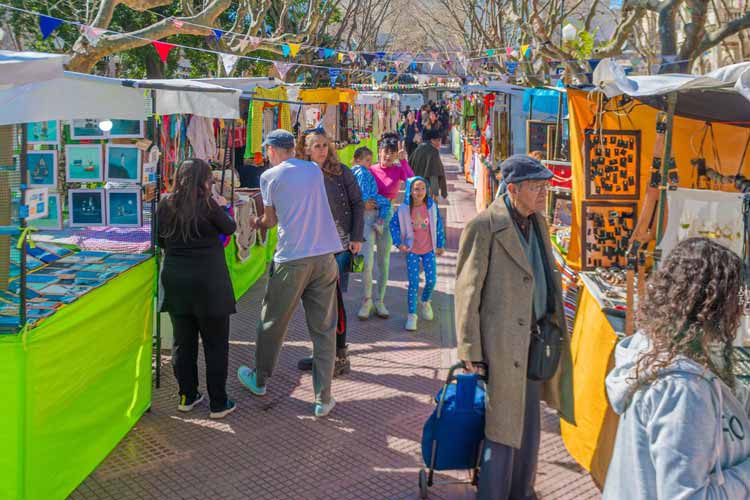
x,y
666,164
558,127
22,223
156,134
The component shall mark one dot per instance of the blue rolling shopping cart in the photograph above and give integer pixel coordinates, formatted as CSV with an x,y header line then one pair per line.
x,y
452,436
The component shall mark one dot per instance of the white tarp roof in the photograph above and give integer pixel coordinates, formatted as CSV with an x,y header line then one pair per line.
x,y
414,101
244,84
193,97
375,97
493,86
69,97
611,79
18,68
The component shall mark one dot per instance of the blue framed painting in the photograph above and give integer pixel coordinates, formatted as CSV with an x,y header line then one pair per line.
x,y
126,129
83,163
47,132
123,163
86,207
124,207
42,168
86,129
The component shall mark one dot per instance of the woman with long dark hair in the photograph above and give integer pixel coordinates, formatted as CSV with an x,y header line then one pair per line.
x,y
348,210
684,430
198,292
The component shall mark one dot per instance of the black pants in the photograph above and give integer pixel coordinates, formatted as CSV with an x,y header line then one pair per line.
x,y
215,335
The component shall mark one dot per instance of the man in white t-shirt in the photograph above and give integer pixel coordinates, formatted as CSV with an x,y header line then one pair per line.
x,y
303,268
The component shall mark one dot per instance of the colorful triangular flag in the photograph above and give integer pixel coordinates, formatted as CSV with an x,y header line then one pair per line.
x,y
328,53
294,49
380,55
333,74
285,50
509,51
490,52
511,66
340,56
178,24
321,53
379,76
163,49
218,33
352,56
48,24
92,34
229,61
283,68
369,58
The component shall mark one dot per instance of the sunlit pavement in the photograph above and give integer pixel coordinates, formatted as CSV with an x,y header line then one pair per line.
x,y
369,447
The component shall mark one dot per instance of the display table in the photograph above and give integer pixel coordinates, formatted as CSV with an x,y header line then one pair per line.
x,y
74,386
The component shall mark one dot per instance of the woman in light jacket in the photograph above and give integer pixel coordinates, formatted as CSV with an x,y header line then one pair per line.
x,y
684,431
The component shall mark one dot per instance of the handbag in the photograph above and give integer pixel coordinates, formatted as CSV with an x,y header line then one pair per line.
x,y
546,342
357,263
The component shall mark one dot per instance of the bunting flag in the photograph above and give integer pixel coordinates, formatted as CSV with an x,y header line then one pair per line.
x,y
380,55
341,56
58,43
490,52
432,65
229,62
379,76
353,56
218,34
282,68
321,53
333,74
163,49
178,24
286,50
92,34
48,24
294,49
328,53
435,54
369,58
509,51
511,66
594,63
524,48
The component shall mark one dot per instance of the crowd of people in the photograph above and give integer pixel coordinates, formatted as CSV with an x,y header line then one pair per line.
x,y
683,415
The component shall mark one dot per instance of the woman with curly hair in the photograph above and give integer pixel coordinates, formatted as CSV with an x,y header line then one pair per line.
x,y
684,431
348,209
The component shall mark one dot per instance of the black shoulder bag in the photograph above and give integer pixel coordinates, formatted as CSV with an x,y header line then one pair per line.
x,y
546,344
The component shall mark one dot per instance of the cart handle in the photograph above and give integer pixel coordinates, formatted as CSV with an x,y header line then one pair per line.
x,y
482,372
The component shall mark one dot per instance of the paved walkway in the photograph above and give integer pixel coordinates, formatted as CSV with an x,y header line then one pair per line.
x,y
272,448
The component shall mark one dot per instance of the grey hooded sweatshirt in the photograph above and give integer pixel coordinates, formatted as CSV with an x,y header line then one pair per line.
x,y
684,437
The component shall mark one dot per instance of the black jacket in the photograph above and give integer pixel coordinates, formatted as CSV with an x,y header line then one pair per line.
x,y
195,276
425,161
347,207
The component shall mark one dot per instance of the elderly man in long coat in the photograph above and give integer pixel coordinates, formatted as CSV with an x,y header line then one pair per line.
x,y
506,285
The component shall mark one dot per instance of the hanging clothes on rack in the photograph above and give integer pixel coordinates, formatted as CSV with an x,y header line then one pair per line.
x,y
200,133
253,149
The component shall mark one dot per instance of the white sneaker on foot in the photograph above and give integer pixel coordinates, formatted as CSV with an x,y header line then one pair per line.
x,y
427,313
382,311
366,310
323,409
411,323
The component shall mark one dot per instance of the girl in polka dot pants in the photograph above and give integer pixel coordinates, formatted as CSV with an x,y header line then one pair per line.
x,y
418,232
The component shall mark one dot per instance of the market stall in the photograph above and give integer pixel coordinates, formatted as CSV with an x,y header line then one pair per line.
x,y
77,370
640,144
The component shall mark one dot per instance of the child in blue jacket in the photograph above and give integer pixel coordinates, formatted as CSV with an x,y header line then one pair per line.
x,y
417,231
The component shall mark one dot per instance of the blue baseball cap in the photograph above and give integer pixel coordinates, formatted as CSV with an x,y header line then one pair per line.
x,y
279,138
519,168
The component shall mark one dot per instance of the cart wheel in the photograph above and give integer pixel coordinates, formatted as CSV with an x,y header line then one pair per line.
x,y
422,483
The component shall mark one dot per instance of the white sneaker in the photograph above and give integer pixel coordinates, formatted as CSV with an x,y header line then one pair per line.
x,y
366,310
427,313
323,409
382,311
411,323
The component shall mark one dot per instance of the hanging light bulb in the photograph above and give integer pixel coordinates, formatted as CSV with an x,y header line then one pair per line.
x,y
105,125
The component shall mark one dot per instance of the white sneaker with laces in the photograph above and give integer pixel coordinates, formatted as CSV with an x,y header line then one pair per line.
x,y
382,311
411,323
427,313
323,409
366,310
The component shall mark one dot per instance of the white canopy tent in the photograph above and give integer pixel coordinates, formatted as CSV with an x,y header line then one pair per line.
x,y
18,68
192,97
414,101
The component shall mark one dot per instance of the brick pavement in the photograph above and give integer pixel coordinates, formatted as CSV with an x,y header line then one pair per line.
x,y
272,448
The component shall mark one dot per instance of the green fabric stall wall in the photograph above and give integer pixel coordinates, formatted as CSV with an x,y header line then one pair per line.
x,y
75,386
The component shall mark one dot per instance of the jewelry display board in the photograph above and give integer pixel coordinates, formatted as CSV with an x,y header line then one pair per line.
x,y
607,227
613,164
540,136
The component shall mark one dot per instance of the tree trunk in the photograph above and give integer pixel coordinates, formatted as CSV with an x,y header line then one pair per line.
x,y
154,67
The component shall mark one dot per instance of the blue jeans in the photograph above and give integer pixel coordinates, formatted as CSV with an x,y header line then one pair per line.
x,y
430,275
342,259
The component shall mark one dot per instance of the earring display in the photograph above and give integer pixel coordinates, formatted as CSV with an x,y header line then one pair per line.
x,y
607,227
613,164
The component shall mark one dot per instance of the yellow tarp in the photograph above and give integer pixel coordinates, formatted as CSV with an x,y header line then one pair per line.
x,y
591,441
730,141
328,95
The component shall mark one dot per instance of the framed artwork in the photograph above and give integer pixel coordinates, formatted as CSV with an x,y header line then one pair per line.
x,y
86,129
606,229
47,132
613,164
124,207
36,201
83,163
42,168
54,219
86,207
126,129
123,163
